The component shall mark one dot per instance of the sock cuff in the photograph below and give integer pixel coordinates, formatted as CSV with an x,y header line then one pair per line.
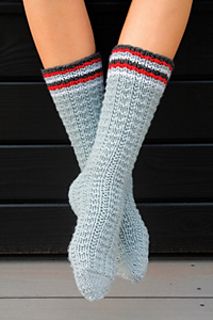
x,y
142,61
79,71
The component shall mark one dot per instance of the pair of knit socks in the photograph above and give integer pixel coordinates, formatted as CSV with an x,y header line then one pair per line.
x,y
106,127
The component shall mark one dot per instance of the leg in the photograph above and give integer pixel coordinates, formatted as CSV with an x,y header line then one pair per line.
x,y
156,25
136,80
61,30
77,92
65,42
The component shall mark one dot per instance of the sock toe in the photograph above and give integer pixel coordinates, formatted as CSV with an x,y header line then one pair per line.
x,y
92,285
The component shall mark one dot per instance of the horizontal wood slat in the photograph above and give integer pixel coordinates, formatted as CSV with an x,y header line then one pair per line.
x,y
36,172
45,288
19,58
154,309
174,172
47,228
170,277
28,114
162,172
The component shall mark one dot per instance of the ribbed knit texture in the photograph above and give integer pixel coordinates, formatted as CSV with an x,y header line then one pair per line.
x,y
77,90
136,80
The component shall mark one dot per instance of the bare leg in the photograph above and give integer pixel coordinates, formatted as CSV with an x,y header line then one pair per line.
x,y
156,25
61,30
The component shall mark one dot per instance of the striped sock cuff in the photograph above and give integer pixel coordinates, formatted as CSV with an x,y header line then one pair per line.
x,y
74,73
141,61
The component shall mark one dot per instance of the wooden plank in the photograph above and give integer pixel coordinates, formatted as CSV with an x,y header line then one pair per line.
x,y
28,170
135,309
178,227
19,57
28,114
36,228
163,172
169,277
181,115
107,17
47,228
174,173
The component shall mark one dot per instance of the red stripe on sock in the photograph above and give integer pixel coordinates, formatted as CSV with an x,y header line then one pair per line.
x,y
147,57
71,69
149,74
73,82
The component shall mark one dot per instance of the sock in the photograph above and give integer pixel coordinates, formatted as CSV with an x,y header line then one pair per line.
x,y
136,80
77,90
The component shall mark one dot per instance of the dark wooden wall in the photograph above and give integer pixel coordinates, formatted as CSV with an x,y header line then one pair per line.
x,y
174,172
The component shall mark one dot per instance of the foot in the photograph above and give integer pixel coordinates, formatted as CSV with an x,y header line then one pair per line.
x,y
94,245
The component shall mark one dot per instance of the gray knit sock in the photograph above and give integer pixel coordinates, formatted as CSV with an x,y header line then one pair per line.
x,y
136,80
77,89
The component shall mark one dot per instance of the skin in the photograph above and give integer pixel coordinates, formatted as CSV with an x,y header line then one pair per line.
x,y
62,30
156,25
